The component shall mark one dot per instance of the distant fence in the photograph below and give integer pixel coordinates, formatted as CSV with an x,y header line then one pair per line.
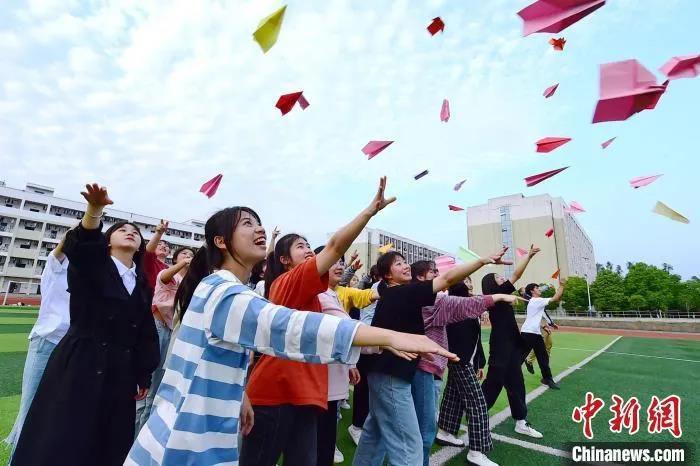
x,y
672,314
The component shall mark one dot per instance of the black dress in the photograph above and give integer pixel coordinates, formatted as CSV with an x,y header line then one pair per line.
x,y
84,409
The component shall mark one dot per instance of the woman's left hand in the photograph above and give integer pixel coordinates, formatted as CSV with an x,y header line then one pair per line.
x,y
379,201
247,416
354,376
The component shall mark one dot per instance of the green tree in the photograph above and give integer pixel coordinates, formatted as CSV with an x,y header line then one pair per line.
x,y
638,302
575,294
689,295
618,270
657,286
607,292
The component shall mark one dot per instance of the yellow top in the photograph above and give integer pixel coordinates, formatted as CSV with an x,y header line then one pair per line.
x,y
352,297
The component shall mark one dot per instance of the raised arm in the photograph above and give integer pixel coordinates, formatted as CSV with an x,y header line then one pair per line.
x,y
273,238
460,272
451,309
155,239
168,274
97,198
343,238
522,265
560,291
58,250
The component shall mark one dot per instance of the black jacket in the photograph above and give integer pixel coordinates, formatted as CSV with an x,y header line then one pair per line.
x,y
464,339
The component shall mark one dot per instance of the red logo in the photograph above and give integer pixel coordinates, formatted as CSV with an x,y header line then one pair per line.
x,y
665,415
587,412
626,415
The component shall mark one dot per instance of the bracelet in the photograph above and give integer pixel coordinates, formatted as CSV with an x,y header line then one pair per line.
x,y
95,216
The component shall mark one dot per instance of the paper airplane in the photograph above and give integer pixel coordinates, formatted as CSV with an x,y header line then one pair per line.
x,y
373,148
421,175
435,26
209,188
444,263
459,185
549,233
555,15
549,92
455,208
682,67
555,275
466,255
540,177
608,142
286,102
662,209
521,252
386,248
626,88
643,180
269,29
574,208
551,143
557,44
445,111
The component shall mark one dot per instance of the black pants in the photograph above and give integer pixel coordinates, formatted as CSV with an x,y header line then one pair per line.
x,y
535,343
504,371
360,397
327,433
285,429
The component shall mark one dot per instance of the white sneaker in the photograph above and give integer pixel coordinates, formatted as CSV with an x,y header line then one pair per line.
x,y
345,405
447,439
338,456
355,433
524,427
476,457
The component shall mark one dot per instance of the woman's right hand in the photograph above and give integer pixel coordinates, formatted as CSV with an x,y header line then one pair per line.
x,y
507,298
96,195
379,201
420,344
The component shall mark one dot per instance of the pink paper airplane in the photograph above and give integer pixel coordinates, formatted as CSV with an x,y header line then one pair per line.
x,y
626,88
555,15
549,92
682,67
549,233
549,144
209,188
436,25
445,111
459,185
574,208
521,252
373,148
557,44
540,177
605,144
444,263
643,180
454,208
286,102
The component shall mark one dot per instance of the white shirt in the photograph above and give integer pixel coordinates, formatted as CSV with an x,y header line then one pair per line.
x,y
535,311
260,288
54,312
128,275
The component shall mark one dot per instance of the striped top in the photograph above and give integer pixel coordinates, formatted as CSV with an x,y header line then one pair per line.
x,y
195,412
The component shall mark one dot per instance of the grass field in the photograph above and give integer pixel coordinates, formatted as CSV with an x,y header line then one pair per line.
x,y
638,372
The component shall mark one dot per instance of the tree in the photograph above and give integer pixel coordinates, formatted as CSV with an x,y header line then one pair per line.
x,y
638,302
666,267
598,267
609,265
575,294
607,292
629,264
689,295
618,270
657,286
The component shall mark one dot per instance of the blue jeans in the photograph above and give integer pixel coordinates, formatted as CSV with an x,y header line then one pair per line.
x,y
143,407
40,350
391,426
423,392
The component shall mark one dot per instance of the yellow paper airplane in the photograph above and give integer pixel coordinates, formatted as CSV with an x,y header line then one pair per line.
x,y
662,209
384,249
269,29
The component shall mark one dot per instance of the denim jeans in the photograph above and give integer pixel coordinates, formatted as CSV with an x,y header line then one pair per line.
x,y
391,426
143,407
423,392
40,350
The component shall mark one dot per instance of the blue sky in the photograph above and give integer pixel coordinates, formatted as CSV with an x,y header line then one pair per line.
x,y
154,98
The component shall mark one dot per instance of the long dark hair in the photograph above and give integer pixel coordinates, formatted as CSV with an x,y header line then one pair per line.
x,y
140,252
179,250
459,289
275,267
489,285
256,273
209,257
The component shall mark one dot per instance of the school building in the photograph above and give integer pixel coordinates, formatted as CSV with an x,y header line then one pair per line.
x,y
518,221
33,220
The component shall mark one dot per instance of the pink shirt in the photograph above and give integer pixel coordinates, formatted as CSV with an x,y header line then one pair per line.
x,y
164,298
338,378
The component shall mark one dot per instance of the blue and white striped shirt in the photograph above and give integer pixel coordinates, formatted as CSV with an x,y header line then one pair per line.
x,y
195,413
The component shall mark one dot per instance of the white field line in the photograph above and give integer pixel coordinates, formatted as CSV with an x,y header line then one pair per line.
x,y
531,446
630,354
445,454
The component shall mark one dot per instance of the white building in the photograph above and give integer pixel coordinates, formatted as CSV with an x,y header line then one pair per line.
x,y
33,220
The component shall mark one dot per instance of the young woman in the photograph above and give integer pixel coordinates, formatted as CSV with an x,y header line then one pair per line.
x,y
83,412
287,395
462,391
392,426
507,349
154,256
530,330
195,417
167,283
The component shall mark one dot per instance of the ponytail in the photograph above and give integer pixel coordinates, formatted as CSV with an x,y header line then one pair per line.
x,y
198,269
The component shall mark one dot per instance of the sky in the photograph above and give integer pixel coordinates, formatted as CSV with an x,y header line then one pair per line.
x,y
154,98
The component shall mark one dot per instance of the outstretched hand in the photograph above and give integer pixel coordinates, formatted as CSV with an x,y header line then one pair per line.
x,y
420,344
497,257
96,195
379,201
533,250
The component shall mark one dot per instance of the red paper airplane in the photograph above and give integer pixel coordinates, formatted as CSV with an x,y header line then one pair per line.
x,y
605,144
209,188
549,144
557,44
555,15
454,208
540,177
373,148
555,275
286,102
435,26
549,92
549,233
682,67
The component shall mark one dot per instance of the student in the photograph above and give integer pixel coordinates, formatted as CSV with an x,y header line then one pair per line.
x,y
154,257
462,392
546,330
83,411
50,327
167,283
530,330
195,418
392,426
507,349
286,395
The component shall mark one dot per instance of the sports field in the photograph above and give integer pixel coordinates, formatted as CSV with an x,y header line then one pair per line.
x,y
630,366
